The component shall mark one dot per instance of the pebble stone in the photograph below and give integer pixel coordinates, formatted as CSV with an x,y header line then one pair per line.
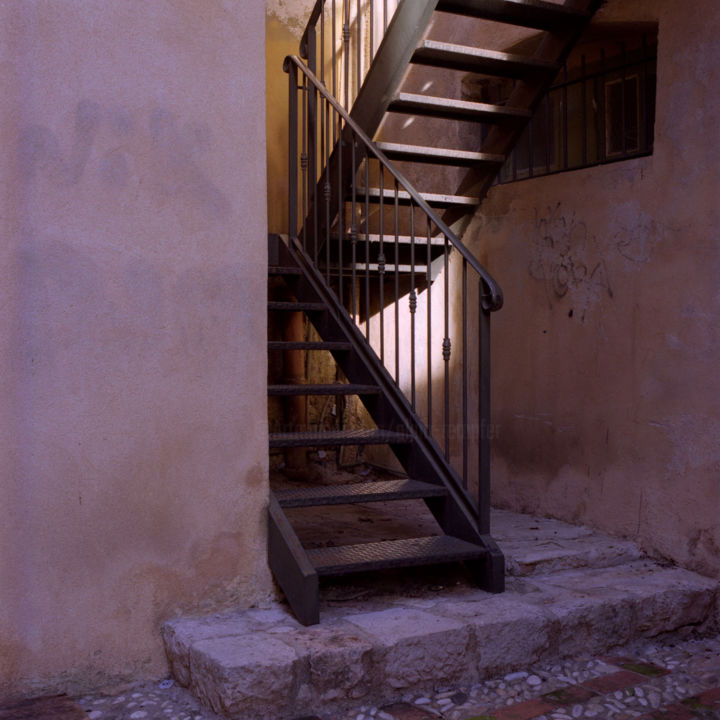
x,y
696,663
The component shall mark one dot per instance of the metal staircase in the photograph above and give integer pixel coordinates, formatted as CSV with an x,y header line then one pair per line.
x,y
379,270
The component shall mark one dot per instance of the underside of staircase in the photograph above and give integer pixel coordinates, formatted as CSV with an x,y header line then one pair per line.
x,y
366,234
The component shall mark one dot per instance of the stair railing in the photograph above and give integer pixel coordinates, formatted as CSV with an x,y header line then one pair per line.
x,y
340,42
386,256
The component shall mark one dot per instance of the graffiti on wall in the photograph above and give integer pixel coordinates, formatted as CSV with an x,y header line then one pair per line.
x,y
568,259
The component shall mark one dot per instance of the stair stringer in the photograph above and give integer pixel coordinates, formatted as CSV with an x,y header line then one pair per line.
x,y
291,566
423,459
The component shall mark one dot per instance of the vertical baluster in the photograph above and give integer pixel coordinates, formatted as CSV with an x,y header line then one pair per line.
x,y
327,187
603,129
322,46
372,30
531,148
313,175
413,306
333,17
584,111
358,39
643,130
340,150
292,150
565,116
397,282
465,439
346,52
354,229
381,263
623,107
367,245
385,17
447,345
483,498
428,277
547,133
304,161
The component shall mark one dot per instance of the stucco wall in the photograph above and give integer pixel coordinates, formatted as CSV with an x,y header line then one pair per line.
x,y
606,354
132,327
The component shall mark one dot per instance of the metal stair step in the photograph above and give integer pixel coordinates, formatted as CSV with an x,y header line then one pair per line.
x,y
438,156
404,198
389,238
392,554
537,14
419,268
308,345
479,60
362,492
291,306
284,270
323,389
414,104
339,437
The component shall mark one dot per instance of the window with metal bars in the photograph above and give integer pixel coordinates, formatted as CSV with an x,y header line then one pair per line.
x,y
600,109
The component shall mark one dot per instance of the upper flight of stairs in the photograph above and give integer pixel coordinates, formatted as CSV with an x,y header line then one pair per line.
x,y
430,477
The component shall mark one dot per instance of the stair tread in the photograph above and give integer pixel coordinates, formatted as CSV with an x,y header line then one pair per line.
x,y
284,270
308,345
479,60
431,198
375,491
338,437
323,389
294,306
537,14
415,104
392,554
389,238
442,156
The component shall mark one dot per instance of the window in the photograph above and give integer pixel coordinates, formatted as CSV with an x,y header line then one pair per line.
x,y
600,109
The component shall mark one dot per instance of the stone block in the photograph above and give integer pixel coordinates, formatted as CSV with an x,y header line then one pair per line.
x,y
413,648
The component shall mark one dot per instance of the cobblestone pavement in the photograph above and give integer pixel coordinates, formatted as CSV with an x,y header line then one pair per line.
x,y
662,680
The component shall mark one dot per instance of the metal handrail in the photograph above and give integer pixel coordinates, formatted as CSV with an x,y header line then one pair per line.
x,y
493,300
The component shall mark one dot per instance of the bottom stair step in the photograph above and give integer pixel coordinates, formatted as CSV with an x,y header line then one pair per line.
x,y
338,437
358,493
392,554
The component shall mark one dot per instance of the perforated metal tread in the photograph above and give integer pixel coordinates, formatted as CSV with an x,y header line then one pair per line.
x,y
294,306
363,492
403,197
324,389
392,554
284,270
338,437
442,107
308,345
538,14
435,156
479,60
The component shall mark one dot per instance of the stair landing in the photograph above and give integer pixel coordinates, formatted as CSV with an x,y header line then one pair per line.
x,y
571,591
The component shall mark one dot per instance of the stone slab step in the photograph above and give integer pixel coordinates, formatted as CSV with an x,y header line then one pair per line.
x,y
262,664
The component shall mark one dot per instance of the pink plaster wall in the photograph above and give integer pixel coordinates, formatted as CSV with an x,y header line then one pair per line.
x,y
606,354
132,326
